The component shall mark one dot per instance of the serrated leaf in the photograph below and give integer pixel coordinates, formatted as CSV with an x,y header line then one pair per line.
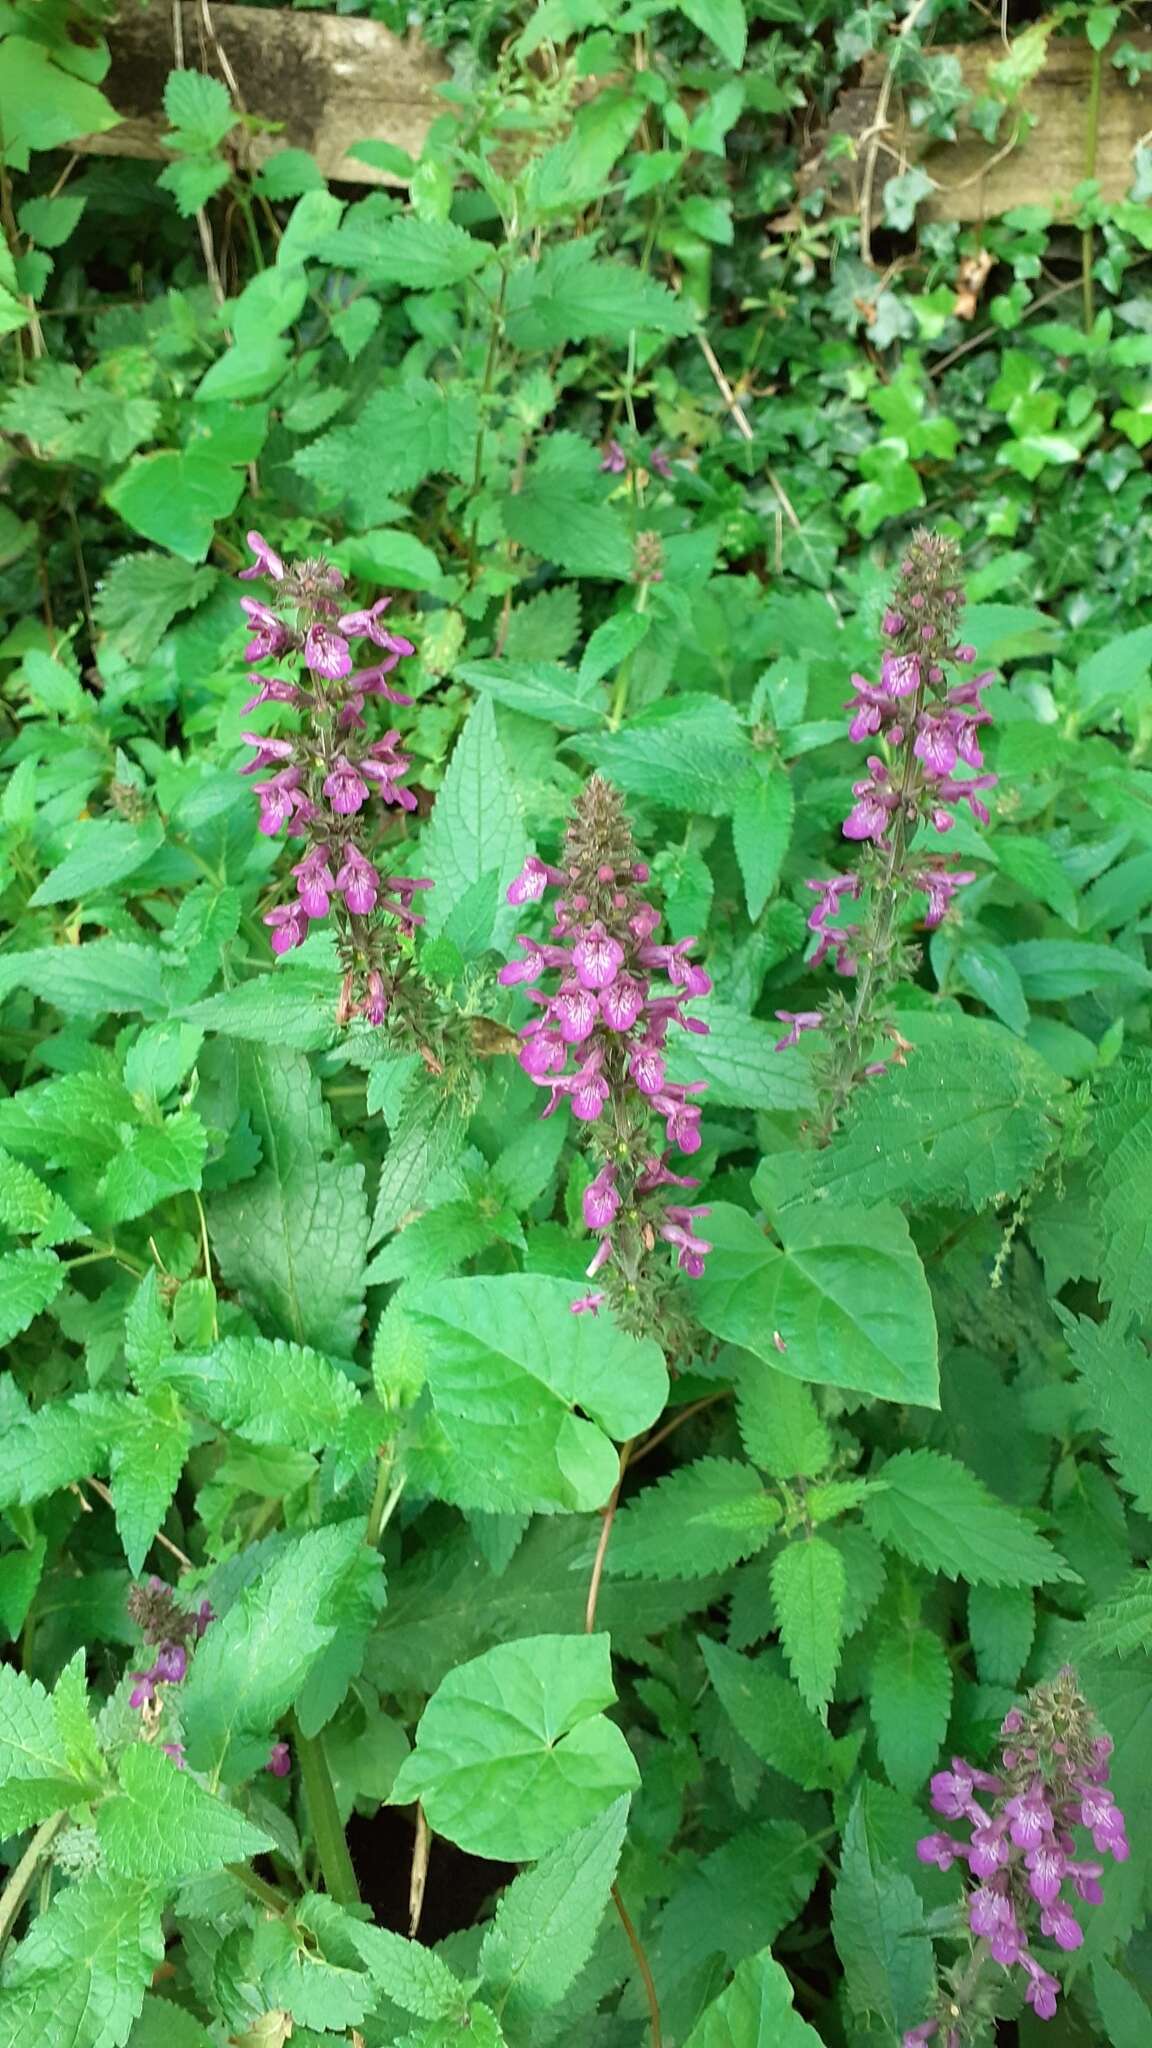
x,y
781,1427
35,1774
105,851
29,1282
739,1063
756,2011
200,107
141,594
422,255
703,1518
33,1210
911,1698
734,1899
148,1453
547,1921
845,1294
878,1923
78,1979
161,1824
513,1750
476,834
292,1239
1001,1625
762,814
507,1365
412,1977
690,753
1123,1624
267,1391
401,436
1121,1195
809,1585
767,1710
574,295
254,1661
540,689
935,1512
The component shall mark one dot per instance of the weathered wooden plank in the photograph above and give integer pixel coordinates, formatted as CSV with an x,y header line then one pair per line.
x,y
977,180
330,80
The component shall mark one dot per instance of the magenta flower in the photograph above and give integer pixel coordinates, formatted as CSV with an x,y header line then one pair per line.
x,y
279,1760
797,1021
314,881
613,461
288,924
366,625
266,563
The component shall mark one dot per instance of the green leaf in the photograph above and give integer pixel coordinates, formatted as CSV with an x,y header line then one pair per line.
x,y
1126,2014
87,980
292,1239
104,851
267,1391
845,1294
412,1977
429,1136
574,295
553,523
969,1119
1001,1624
175,497
422,255
29,1282
391,556
739,1063
200,107
540,689
911,1700
756,2011
878,1923
809,1586
35,1774
254,1661
50,220
476,834
163,1825
42,104
507,1365
513,1750
733,1900
689,753
148,1456
781,1427
140,595
767,1710
78,1979
547,1921
401,436
1051,970
1113,1371
933,1510
761,832
1121,1190
164,2024
700,1519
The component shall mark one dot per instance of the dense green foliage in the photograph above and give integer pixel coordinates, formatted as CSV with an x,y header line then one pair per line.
x,y
273,1282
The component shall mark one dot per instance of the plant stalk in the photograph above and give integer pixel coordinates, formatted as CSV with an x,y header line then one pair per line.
x,y
331,1846
24,1876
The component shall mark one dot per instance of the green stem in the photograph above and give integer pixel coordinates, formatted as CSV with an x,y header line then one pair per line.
x,y
267,1894
1091,139
495,330
624,676
385,1500
331,1847
24,1876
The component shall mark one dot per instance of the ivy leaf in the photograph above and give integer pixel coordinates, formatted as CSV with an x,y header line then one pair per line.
x,y
756,2011
78,1979
507,1365
267,1391
700,1519
845,1294
292,1238
809,1586
902,196
935,1512
161,1824
547,1921
767,1710
911,1699
254,1661
513,1750
878,1924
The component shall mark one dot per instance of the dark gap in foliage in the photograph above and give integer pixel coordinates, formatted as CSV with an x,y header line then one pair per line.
x,y
459,1886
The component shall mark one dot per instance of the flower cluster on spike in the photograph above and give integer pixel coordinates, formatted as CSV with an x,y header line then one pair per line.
x,y
172,1631
1029,1870
923,721
615,990
320,784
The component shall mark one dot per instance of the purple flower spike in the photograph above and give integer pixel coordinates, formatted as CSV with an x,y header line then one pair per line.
x,y
601,1200
314,881
358,883
326,651
345,788
597,958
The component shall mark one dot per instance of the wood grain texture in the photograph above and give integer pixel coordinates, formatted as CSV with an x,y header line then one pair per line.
x,y
1042,170
329,80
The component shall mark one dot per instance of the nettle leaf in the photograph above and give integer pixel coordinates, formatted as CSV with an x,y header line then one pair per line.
x,y
878,1923
423,255
267,1391
767,1710
540,689
756,2011
163,1825
574,295
547,1921
163,2024
724,23
935,1512
36,1776
29,1282
254,1661
292,1238
148,1451
1001,1625
412,1977
809,1586
1121,1195
688,753
781,1427
700,1519
1113,1372
401,436
845,1295
762,814
104,851
1123,1624
78,1979
513,1750
199,107
968,1119
732,1900
507,1365
312,1986
738,1062
476,835
31,1209
911,1698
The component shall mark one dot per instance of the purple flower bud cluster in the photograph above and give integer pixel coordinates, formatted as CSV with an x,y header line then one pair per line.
x,y
614,461
599,1040
171,1629
1030,1873
319,783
